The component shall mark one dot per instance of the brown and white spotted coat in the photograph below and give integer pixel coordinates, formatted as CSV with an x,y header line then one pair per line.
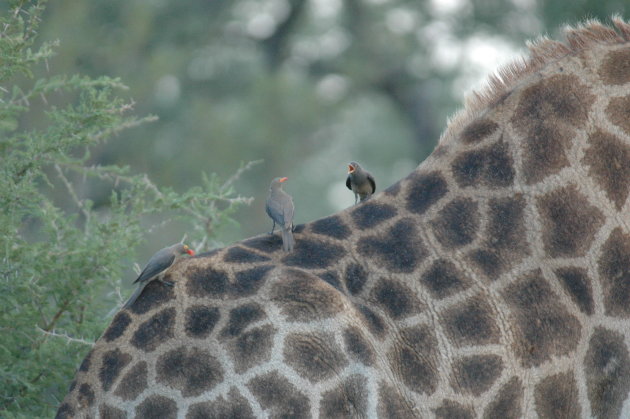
x,y
493,281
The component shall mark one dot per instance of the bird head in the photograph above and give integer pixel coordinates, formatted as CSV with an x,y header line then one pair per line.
x,y
189,250
352,167
276,183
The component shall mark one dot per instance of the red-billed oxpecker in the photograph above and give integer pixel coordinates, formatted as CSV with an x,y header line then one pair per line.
x,y
360,181
159,263
280,208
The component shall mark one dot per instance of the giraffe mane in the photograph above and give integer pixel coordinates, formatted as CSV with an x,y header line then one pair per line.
x,y
542,52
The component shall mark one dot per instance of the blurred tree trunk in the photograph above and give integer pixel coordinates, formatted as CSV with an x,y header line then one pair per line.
x,y
276,45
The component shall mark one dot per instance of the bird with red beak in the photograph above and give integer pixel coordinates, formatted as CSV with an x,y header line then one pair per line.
x,y
159,263
280,209
360,181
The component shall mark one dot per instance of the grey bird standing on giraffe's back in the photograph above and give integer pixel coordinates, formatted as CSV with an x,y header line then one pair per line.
x,y
360,181
280,208
159,262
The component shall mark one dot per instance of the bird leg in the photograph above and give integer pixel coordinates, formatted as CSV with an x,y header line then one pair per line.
x,y
165,282
273,227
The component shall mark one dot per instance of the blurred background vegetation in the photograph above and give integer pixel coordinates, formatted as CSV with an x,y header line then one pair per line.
x,y
306,86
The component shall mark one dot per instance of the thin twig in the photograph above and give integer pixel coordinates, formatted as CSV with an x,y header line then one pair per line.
x,y
65,336
57,315
238,174
124,125
73,194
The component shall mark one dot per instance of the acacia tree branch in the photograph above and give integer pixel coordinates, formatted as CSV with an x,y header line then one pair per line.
x,y
66,337
80,204
238,174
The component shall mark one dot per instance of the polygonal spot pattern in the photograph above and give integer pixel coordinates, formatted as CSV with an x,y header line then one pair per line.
x,y
478,130
614,270
237,254
331,278
111,412
278,397
200,320
569,222
457,223
505,242
475,374
236,406
615,67
392,405
215,284
117,327
395,298
557,397
112,364
490,166
453,410
357,346
314,356
607,371
155,331
413,358
577,284
443,279
355,278
547,115
249,281
617,112
304,297
313,254
471,322
251,348
332,226
189,370
348,400
399,250
133,382
425,189
154,294
85,398
371,213
206,282
507,404
241,317
373,321
608,159
157,406
542,327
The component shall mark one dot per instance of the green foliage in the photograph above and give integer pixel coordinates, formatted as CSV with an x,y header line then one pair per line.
x,y
61,256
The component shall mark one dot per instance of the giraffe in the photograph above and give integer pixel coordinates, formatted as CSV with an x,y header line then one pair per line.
x,y
493,281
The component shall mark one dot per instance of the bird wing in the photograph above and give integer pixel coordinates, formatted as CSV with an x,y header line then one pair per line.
x,y
288,210
372,182
275,210
348,183
158,263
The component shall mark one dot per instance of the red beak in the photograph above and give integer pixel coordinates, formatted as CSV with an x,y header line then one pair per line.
x,y
284,179
350,168
190,252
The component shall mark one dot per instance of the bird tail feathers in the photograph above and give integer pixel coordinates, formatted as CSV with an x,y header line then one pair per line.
x,y
287,239
135,295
